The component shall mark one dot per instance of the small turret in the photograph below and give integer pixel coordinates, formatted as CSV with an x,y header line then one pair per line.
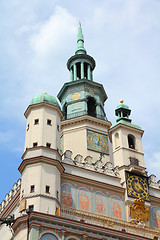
x,y
126,140
123,112
41,166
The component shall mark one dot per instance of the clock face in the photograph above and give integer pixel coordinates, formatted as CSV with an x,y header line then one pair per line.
x,y
97,142
137,186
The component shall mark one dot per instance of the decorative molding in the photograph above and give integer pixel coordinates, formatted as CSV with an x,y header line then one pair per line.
x,y
42,195
40,159
87,163
152,180
107,228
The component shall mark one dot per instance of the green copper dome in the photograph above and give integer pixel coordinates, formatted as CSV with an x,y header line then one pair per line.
x,y
44,97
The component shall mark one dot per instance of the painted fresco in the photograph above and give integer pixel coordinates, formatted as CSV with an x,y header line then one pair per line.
x,y
154,217
83,199
116,207
67,195
96,202
49,236
100,203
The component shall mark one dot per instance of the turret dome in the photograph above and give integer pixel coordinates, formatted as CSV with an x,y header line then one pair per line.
x,y
44,97
122,105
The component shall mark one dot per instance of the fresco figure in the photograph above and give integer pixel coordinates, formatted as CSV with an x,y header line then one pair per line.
x,y
157,218
67,197
83,201
100,204
116,208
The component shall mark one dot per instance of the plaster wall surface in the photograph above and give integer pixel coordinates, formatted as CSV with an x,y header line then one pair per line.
x,y
46,152
42,132
21,235
121,150
41,175
93,175
75,139
5,232
154,192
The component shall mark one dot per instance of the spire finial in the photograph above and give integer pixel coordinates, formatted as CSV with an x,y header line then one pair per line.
x,y
80,41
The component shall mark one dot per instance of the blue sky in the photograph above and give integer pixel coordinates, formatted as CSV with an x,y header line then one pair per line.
x,y
38,37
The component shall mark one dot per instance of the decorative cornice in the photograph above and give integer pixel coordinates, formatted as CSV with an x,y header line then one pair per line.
x,y
129,127
41,147
110,227
41,195
40,159
42,104
93,183
85,118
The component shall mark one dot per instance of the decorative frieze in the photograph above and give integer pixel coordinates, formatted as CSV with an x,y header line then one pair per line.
x,y
152,180
90,164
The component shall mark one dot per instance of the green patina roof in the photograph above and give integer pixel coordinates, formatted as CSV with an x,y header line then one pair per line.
x,y
122,105
44,97
127,124
80,42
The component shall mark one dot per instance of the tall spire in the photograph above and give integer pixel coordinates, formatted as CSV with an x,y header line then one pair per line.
x,y
80,42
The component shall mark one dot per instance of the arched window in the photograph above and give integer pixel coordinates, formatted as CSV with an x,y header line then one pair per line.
x,y
91,106
131,141
65,111
78,70
47,236
117,140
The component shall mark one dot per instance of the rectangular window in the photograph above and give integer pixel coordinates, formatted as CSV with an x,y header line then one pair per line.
x,y
32,189
48,145
35,144
31,208
57,194
49,122
36,121
47,189
27,127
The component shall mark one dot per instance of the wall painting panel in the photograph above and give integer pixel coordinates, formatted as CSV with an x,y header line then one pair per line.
x,y
100,203
154,217
83,199
116,207
67,195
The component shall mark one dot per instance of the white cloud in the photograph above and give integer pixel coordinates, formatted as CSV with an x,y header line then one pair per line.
x,y
54,34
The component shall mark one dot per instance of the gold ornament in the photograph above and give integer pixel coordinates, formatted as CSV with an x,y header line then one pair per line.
x,y
76,96
138,210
